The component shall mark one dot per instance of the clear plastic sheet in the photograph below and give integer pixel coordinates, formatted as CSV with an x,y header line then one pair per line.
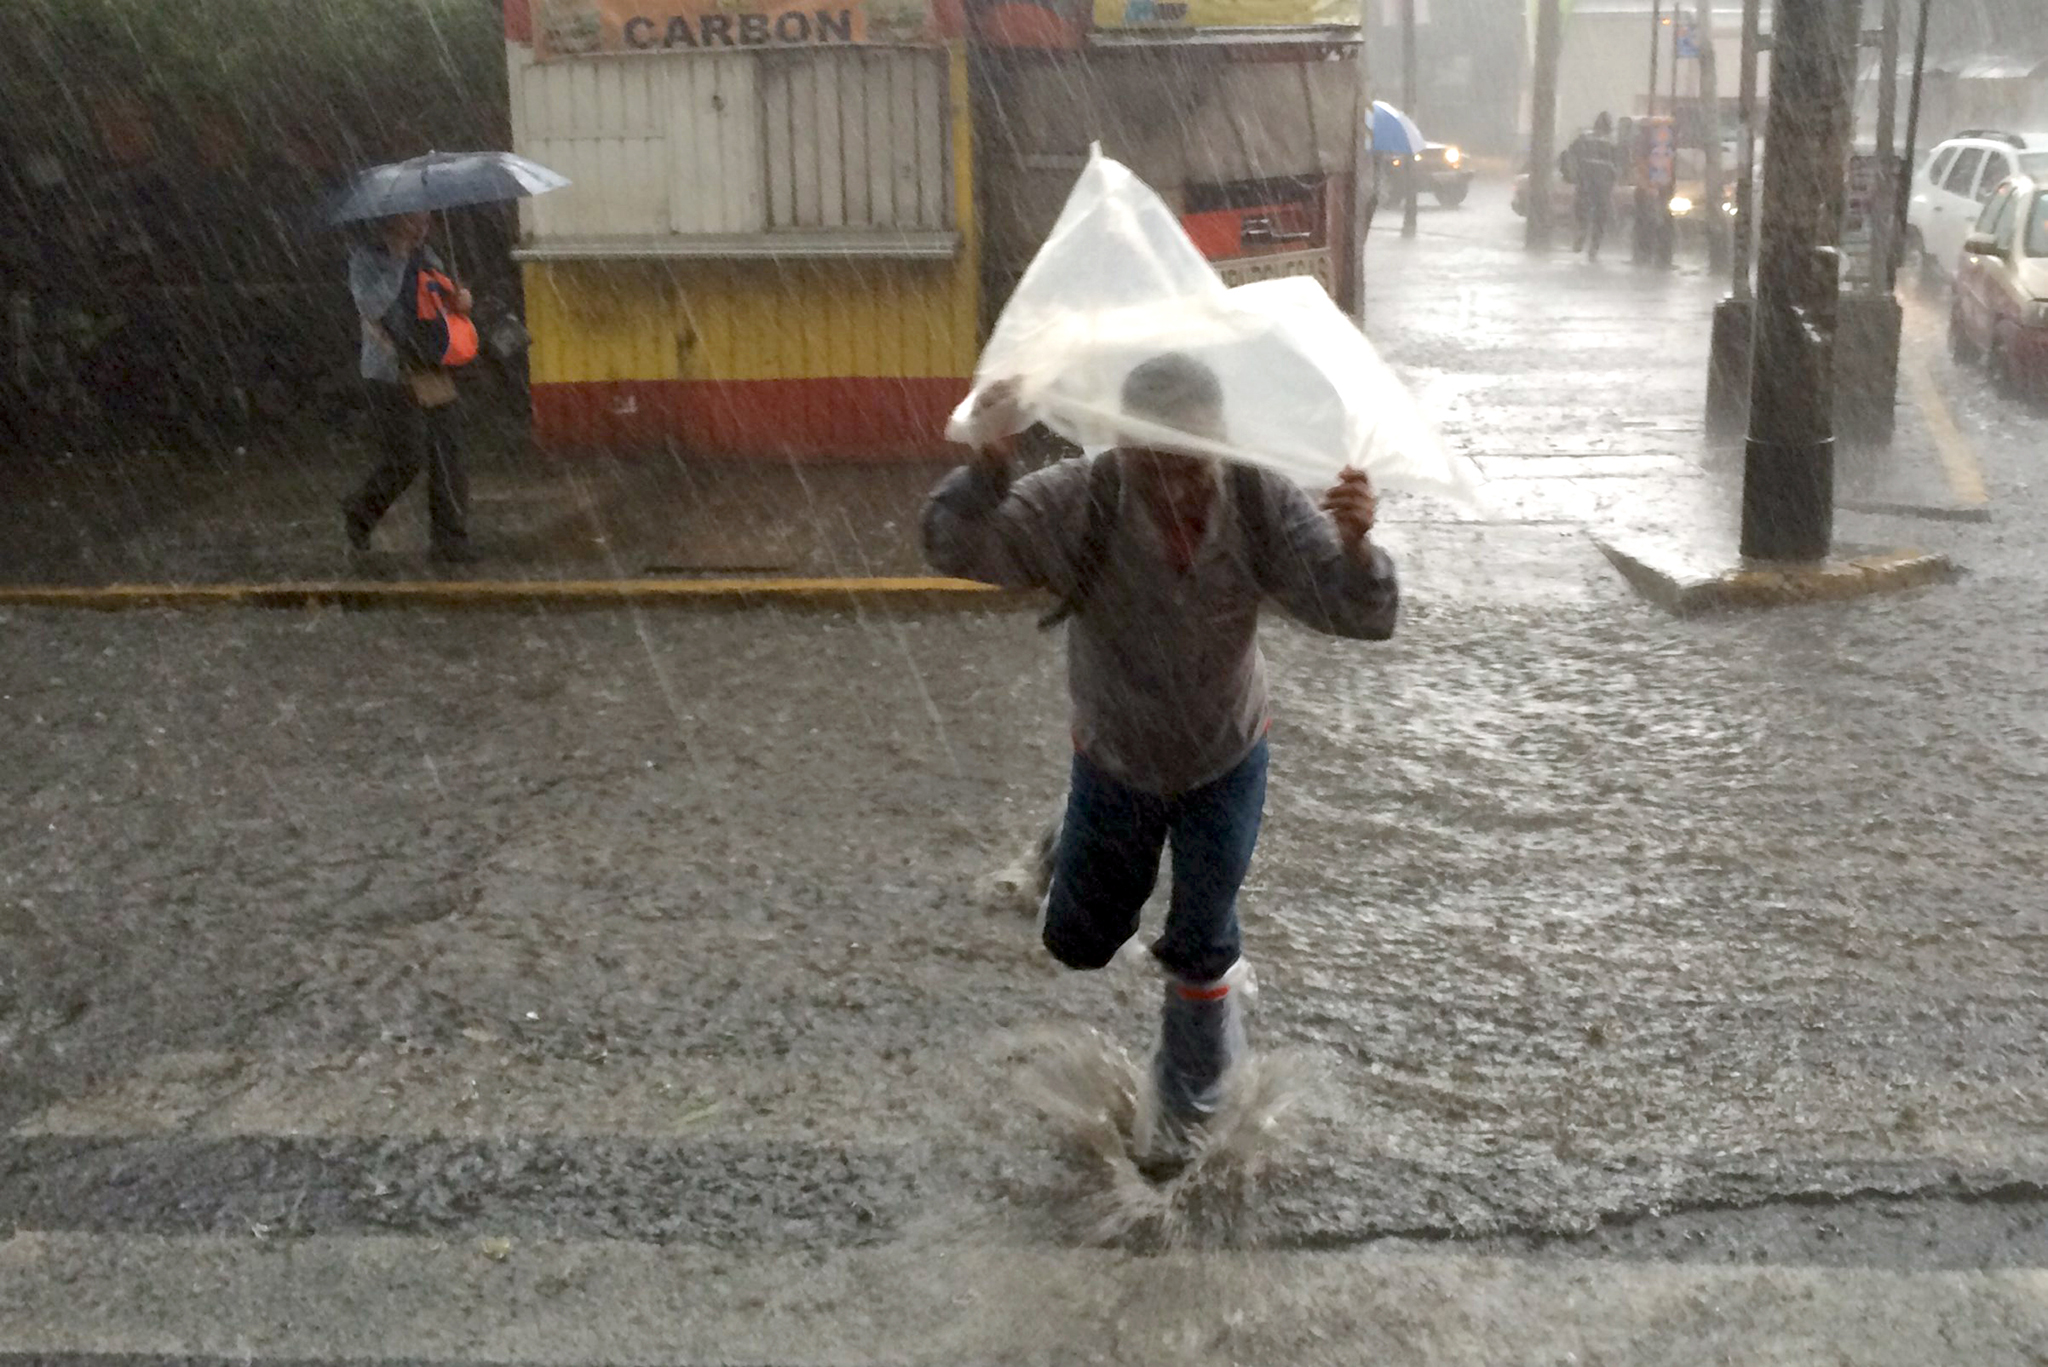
x,y
1118,283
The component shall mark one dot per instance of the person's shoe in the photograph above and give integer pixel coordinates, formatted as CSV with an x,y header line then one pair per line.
x,y
454,553
357,528
1201,1039
1579,243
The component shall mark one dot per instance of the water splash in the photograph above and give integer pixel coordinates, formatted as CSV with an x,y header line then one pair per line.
x,y
1099,1100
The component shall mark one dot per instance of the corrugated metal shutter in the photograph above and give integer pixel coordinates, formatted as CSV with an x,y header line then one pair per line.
x,y
715,136
857,139
605,125
720,144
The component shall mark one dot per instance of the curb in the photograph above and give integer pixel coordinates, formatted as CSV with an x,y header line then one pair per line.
x,y
926,594
1679,584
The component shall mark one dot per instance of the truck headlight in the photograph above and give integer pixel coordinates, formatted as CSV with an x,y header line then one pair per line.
x,y
2035,315
1680,206
1453,155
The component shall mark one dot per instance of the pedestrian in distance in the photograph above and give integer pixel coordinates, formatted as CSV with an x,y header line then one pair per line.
x,y
1592,164
415,330
1161,561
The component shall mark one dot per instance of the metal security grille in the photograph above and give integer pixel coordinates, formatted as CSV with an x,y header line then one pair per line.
x,y
730,144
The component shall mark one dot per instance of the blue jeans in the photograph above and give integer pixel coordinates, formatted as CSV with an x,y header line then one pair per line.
x,y
1108,859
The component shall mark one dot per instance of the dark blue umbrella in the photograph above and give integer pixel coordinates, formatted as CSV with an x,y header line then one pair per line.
x,y
441,180
1394,133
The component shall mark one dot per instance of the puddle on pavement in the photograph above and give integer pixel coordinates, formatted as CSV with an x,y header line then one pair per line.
x,y
1095,1097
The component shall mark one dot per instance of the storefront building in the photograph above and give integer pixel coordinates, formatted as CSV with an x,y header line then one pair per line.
x,y
790,226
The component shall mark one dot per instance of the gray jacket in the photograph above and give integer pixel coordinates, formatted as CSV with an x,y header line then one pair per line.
x,y
374,279
1168,685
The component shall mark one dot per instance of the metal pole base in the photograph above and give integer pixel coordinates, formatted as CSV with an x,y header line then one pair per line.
x,y
1866,368
1728,371
1788,499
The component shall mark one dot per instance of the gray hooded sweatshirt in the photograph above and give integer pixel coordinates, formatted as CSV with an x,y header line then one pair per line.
x,y
1169,687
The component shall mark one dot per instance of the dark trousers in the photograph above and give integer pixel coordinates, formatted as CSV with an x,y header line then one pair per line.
x,y
1591,207
408,436
1108,859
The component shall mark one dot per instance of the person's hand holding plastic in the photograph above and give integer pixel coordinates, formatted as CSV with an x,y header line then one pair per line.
x,y
997,418
1352,505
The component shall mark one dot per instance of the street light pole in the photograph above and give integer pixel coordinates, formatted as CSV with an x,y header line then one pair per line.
x,y
1643,243
1745,182
1543,124
1410,183
1788,467
1656,33
1884,236
1710,101
1913,113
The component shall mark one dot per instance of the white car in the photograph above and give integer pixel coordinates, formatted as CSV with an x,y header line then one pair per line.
x,y
1951,187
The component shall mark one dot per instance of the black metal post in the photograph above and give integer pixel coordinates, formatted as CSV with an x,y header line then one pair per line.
x,y
1711,213
1745,183
1913,113
1543,124
1656,34
1884,234
1643,245
1788,470
1410,183
1667,226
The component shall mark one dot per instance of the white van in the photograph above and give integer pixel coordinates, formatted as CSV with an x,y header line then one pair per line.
x,y
1950,189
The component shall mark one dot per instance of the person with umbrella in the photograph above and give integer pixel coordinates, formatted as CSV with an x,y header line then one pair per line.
x,y
411,402
415,329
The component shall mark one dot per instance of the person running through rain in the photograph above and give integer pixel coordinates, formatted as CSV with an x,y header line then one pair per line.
x,y
1161,561
412,413
1592,164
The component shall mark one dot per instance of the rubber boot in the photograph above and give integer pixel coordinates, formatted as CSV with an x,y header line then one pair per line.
x,y
1201,1038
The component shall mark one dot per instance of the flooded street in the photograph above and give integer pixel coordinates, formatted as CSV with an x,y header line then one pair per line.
x,y
493,986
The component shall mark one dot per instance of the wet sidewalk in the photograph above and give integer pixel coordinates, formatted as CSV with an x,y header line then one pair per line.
x,y
1577,386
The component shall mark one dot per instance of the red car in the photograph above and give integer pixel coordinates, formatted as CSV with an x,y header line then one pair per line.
x,y
2000,312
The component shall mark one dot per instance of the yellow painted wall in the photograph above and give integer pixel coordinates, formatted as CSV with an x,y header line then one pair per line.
x,y
767,320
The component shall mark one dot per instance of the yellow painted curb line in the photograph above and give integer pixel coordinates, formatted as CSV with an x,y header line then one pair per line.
x,y
1958,458
525,593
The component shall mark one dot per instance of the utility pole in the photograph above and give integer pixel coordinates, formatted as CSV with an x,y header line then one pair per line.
x,y
1677,24
1710,102
1364,168
1410,183
1667,226
1643,244
1913,112
1728,355
1656,37
1543,124
1884,236
1745,182
1788,467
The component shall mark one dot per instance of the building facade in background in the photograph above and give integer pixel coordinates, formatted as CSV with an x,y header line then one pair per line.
x,y
791,224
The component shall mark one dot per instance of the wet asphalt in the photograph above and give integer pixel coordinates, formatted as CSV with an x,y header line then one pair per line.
x,y
1599,932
